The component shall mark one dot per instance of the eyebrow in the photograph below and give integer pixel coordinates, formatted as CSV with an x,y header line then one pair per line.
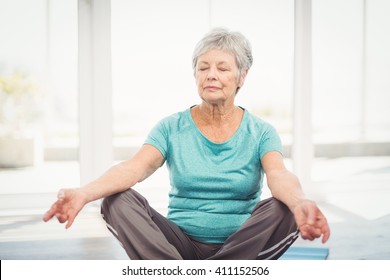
x,y
219,63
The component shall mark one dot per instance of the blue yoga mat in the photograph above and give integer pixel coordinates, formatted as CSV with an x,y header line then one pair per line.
x,y
107,248
305,253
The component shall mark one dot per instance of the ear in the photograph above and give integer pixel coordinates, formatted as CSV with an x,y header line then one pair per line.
x,y
242,78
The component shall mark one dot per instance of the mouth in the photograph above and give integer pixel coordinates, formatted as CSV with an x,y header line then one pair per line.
x,y
212,88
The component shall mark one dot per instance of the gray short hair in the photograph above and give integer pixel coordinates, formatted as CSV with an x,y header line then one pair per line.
x,y
223,39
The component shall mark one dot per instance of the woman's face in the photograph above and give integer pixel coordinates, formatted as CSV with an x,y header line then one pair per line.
x,y
217,77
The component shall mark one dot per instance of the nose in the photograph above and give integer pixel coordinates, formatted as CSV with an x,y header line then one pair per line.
x,y
212,74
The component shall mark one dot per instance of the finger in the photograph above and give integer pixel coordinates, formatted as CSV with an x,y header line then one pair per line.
x,y
61,194
305,232
62,218
51,212
325,238
315,232
71,217
326,234
47,216
323,225
70,222
307,236
311,215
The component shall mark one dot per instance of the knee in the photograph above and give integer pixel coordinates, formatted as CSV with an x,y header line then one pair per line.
x,y
283,211
107,203
278,211
280,207
123,200
113,202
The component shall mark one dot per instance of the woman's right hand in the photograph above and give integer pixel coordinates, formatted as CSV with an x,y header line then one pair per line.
x,y
68,205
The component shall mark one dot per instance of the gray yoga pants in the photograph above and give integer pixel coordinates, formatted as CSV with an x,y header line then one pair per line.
x,y
147,235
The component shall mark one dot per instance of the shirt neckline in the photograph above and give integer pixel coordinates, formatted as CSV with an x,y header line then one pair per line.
x,y
193,124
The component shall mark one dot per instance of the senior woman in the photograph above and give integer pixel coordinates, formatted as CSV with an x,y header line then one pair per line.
x,y
217,154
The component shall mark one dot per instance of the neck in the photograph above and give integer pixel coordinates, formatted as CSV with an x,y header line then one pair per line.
x,y
216,114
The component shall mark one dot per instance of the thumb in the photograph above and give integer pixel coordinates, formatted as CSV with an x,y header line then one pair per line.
x,y
61,194
312,215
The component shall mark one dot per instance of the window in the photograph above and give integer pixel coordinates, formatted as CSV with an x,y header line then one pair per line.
x,y
351,66
152,45
38,95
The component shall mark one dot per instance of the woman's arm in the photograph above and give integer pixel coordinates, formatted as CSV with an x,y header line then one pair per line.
x,y
285,187
126,174
117,179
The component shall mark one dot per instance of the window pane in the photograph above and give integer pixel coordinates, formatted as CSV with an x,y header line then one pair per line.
x,y
152,50
152,75
337,48
377,98
38,99
269,25
351,66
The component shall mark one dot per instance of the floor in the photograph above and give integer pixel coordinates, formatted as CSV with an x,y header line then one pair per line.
x,y
354,193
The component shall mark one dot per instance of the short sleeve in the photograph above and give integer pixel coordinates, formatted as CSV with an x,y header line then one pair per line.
x,y
270,141
158,137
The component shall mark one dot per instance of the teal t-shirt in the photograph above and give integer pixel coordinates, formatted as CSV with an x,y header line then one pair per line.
x,y
214,186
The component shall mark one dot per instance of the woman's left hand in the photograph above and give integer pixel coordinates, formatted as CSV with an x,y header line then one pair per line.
x,y
310,220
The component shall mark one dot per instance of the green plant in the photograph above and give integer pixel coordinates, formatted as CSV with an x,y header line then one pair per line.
x,y
20,103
